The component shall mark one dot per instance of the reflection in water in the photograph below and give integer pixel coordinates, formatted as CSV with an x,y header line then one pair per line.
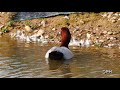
x,y
66,71
63,65
26,60
54,64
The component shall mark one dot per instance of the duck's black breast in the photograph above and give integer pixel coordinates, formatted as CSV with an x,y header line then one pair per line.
x,y
55,55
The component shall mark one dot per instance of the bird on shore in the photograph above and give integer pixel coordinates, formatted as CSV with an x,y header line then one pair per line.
x,y
62,51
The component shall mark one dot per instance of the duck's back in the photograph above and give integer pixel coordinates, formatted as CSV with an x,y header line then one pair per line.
x,y
67,54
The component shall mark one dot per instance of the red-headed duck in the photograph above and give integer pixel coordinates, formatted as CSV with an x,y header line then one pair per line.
x,y
62,52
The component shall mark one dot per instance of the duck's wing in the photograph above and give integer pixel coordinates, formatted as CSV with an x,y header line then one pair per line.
x,y
66,52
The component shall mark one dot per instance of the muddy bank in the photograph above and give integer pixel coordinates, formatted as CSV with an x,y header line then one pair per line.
x,y
87,29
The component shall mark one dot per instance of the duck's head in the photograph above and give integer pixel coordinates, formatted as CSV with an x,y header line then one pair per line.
x,y
65,37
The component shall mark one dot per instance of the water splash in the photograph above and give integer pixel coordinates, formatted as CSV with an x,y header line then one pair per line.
x,y
20,35
83,42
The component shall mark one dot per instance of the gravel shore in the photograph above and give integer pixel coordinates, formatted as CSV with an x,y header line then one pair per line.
x,y
87,29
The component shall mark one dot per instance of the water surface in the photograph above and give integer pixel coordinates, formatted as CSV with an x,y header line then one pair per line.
x,y
26,60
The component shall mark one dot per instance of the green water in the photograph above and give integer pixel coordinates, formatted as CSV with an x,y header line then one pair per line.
x,y
26,60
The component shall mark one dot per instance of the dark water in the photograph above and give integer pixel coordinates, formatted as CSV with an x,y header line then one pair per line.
x,y
26,60
31,15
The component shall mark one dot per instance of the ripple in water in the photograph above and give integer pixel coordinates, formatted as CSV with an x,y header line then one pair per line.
x,y
20,61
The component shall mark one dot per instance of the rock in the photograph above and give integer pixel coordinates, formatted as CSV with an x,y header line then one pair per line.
x,y
110,33
43,23
35,31
2,12
28,39
119,19
66,17
12,35
1,33
87,43
28,29
111,38
77,28
108,38
79,35
101,41
45,42
47,36
104,32
1,26
54,29
88,35
106,46
99,25
115,38
110,14
40,32
101,33
114,18
97,37
94,32
33,38
97,29
116,14
81,21
104,15
110,45
92,45
113,21
114,33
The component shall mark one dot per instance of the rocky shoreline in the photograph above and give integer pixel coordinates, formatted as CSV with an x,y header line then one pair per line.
x,y
87,29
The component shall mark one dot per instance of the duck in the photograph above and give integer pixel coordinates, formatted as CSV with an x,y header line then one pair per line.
x,y
61,52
